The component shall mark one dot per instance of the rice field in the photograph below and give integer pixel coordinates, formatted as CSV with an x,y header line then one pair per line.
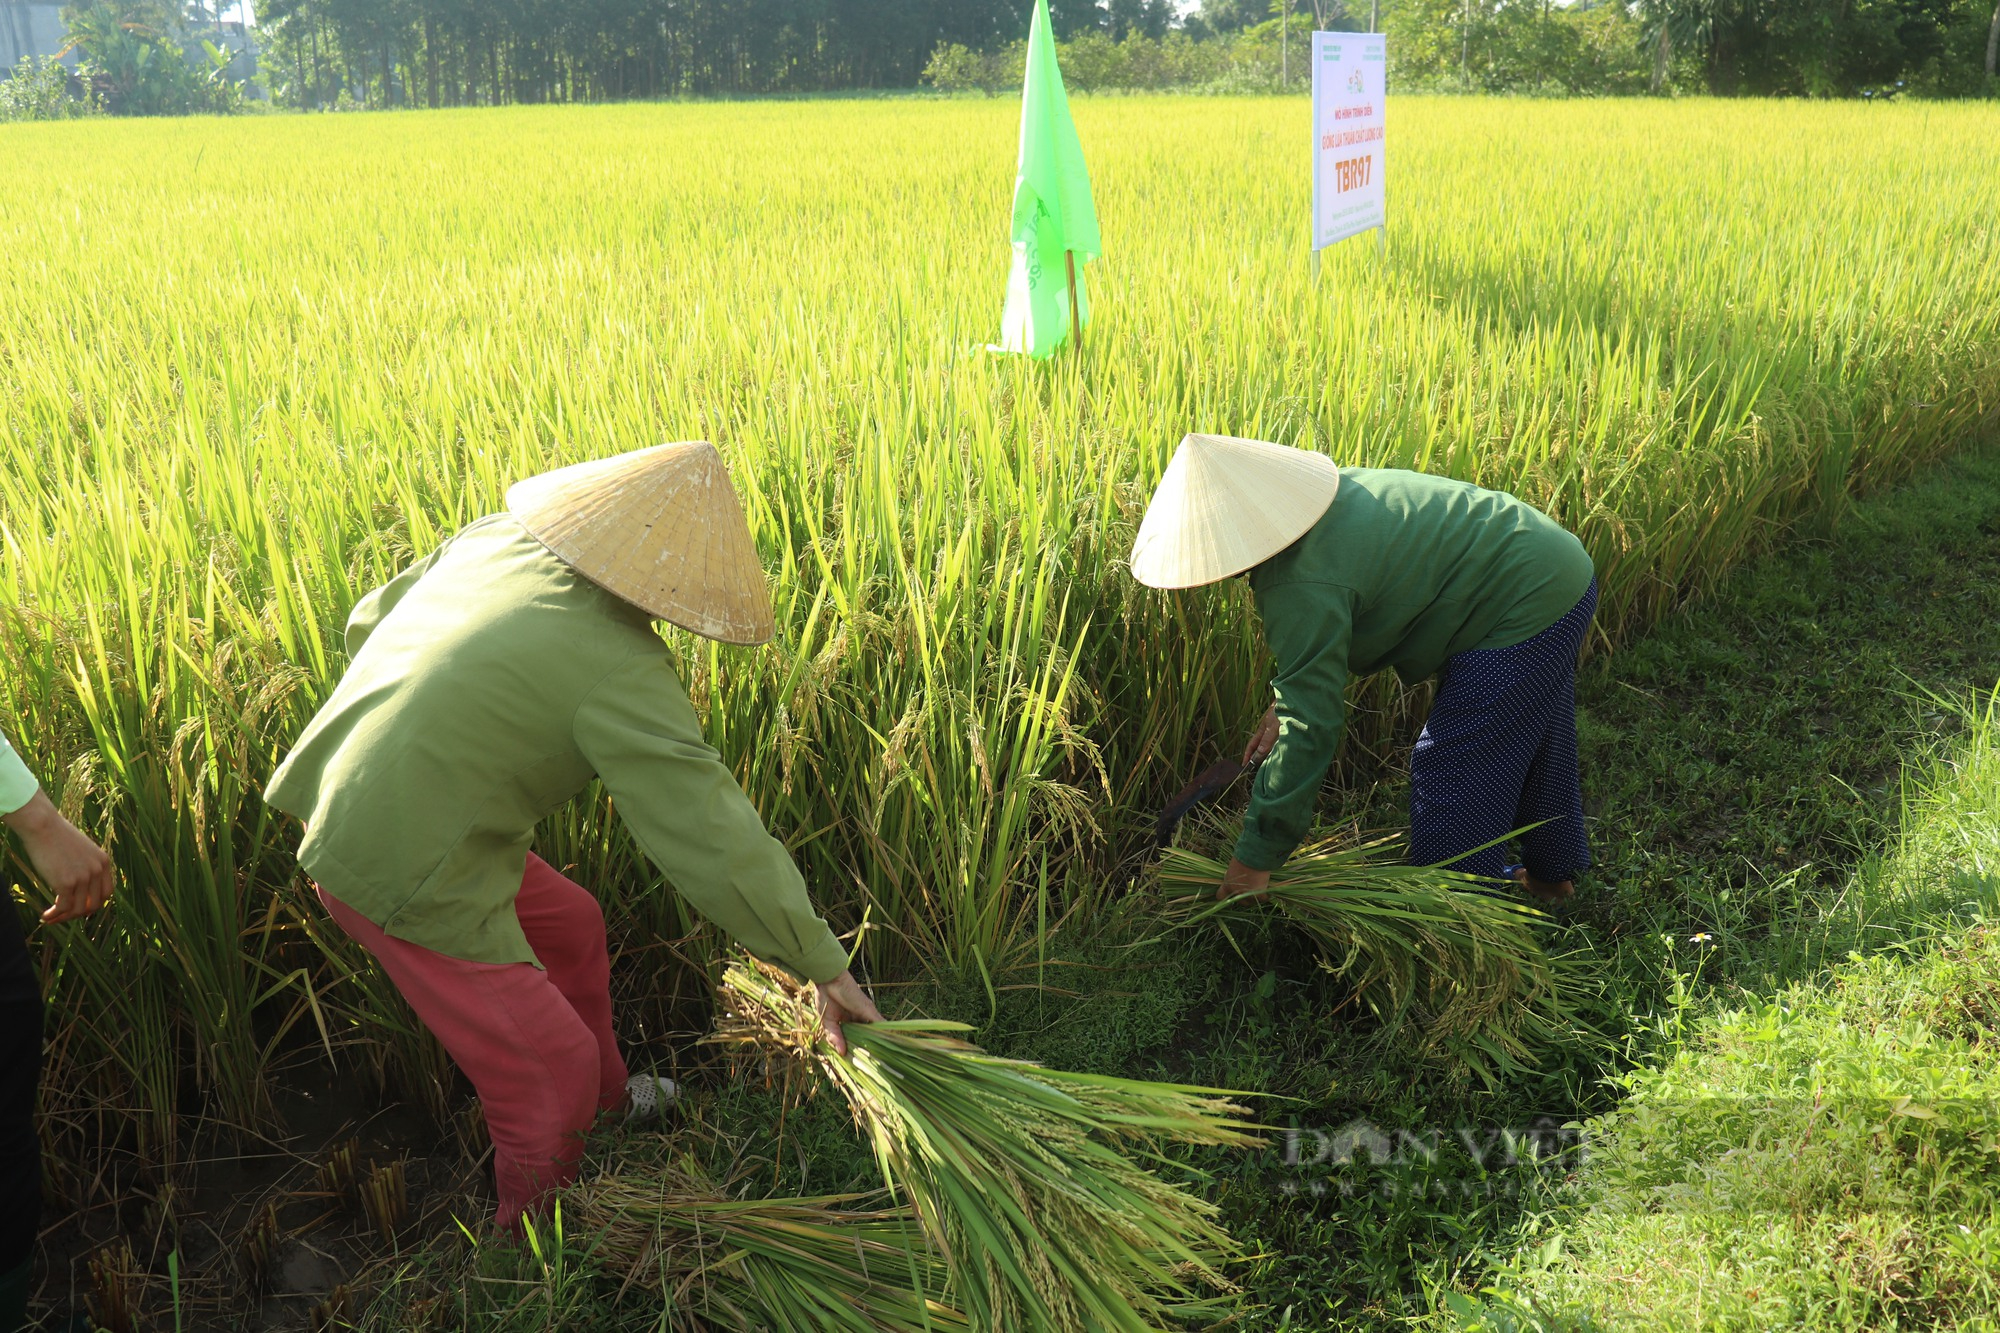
x,y
249,368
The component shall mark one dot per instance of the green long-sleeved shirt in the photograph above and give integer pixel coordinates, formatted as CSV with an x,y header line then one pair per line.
x,y
488,684
1403,570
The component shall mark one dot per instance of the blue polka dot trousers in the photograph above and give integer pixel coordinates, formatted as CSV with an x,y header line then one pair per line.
x,y
1499,753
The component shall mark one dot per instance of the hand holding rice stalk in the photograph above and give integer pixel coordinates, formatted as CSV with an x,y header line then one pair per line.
x,y
1018,1174
1415,942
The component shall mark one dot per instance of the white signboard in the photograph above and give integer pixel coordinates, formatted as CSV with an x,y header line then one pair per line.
x,y
1347,134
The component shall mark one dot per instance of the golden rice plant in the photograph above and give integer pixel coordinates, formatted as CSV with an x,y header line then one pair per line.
x,y
1419,945
1027,1180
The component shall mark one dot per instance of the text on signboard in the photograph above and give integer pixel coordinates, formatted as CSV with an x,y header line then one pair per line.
x,y
1352,173
1341,138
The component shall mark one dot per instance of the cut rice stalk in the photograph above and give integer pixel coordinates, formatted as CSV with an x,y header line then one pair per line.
x,y
829,1262
1023,1177
1417,943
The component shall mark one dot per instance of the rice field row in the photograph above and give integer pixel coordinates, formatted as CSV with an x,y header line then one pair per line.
x,y
248,368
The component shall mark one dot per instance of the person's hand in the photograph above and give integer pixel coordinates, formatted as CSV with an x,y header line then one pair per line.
x,y
1241,879
75,869
1262,739
843,1001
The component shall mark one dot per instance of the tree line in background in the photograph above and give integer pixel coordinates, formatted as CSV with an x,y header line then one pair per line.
x,y
1797,48
457,52
147,56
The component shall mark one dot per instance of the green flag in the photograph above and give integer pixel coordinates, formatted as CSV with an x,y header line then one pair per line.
x,y
1055,221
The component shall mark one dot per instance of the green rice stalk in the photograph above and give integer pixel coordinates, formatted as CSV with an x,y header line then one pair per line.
x,y
1418,944
1023,1177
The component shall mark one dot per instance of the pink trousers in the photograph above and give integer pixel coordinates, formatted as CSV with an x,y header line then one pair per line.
x,y
537,1045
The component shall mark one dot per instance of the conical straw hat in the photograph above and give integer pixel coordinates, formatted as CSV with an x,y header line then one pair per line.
x,y
1226,504
663,529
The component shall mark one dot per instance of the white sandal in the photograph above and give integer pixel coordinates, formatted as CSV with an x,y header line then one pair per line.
x,y
648,1095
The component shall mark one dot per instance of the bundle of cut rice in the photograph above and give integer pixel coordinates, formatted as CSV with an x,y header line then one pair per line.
x,y
1418,944
830,1262
1025,1179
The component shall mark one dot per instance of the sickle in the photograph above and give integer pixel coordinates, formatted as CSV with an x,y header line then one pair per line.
x,y
1207,783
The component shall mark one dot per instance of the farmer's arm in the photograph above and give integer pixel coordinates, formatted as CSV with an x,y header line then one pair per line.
x,y
17,784
1308,627
76,870
683,805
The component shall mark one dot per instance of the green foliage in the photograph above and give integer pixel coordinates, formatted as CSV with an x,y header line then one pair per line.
x,y
353,54
1721,47
44,89
1779,727
1811,48
956,68
1094,62
1491,46
139,60
1828,1156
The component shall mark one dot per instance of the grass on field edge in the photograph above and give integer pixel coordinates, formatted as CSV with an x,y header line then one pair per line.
x,y
1827,1156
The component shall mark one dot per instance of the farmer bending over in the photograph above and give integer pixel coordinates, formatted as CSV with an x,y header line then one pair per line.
x,y
488,684
1355,569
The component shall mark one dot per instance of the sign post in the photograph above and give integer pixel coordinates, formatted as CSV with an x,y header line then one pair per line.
x,y
1347,95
